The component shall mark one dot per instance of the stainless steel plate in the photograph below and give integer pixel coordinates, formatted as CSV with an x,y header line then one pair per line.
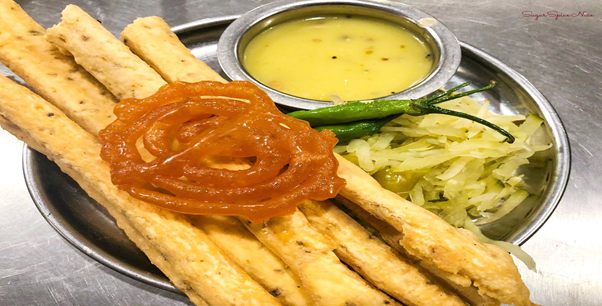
x,y
90,228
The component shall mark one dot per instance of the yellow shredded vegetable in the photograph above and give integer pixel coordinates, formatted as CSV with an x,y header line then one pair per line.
x,y
460,170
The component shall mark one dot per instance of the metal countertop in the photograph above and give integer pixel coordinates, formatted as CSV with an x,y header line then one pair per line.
x,y
561,57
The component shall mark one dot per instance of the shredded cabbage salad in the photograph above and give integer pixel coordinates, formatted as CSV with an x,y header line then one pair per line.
x,y
460,170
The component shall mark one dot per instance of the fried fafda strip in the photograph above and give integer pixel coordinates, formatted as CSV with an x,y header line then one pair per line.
x,y
54,76
434,242
392,237
262,265
96,49
374,259
189,258
258,261
153,41
20,134
310,255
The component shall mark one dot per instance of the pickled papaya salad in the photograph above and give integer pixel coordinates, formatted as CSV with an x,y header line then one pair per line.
x,y
465,171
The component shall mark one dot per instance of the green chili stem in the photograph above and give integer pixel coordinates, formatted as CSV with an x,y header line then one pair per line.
x,y
448,95
448,92
428,106
438,110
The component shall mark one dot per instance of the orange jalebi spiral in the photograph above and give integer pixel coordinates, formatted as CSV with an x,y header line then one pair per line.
x,y
186,125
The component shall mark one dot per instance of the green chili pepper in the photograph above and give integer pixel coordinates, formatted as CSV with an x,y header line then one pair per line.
x,y
367,116
359,129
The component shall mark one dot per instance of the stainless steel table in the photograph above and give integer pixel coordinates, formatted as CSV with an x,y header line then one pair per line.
x,y
561,57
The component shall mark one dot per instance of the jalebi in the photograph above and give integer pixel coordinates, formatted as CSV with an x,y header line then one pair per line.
x,y
186,127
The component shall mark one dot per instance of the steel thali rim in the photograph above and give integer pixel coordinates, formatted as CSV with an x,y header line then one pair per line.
x,y
79,241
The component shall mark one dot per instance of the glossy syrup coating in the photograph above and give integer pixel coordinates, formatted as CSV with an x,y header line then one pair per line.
x,y
189,127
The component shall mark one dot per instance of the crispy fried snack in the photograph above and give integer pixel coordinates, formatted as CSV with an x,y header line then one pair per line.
x,y
392,237
96,49
184,122
20,134
258,261
428,238
183,252
375,260
153,41
310,255
54,76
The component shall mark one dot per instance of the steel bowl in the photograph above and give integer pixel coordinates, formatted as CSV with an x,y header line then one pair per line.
x,y
442,42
